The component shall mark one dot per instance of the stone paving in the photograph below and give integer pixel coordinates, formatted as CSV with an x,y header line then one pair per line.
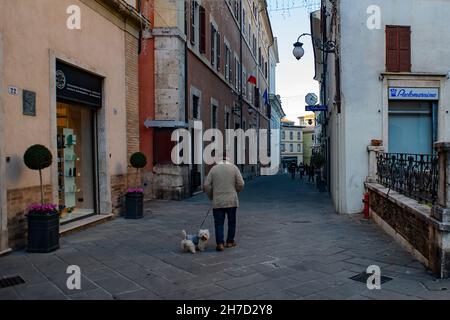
x,y
291,245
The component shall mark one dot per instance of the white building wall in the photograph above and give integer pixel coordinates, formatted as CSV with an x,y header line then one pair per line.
x,y
364,93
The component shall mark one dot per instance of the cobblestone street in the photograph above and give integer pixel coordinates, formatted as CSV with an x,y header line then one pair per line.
x,y
291,245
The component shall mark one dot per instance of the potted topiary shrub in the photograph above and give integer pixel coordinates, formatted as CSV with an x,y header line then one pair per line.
x,y
134,199
43,219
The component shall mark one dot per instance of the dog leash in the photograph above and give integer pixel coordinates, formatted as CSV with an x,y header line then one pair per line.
x,y
207,214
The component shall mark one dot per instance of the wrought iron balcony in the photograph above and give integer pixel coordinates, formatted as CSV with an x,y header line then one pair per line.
x,y
414,175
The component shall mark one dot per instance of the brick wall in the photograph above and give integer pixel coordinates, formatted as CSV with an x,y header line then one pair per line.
x,y
132,93
17,202
119,185
411,226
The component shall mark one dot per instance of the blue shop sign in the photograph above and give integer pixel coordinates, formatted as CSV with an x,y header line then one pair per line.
x,y
398,93
316,108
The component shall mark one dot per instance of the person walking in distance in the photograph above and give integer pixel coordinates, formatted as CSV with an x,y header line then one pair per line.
x,y
222,186
302,171
311,173
292,169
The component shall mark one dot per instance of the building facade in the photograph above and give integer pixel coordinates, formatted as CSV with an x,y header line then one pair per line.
x,y
69,85
277,114
212,71
308,122
383,83
291,143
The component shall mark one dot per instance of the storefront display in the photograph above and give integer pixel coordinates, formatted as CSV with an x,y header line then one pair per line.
x,y
75,162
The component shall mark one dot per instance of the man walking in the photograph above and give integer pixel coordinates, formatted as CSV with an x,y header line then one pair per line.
x,y
292,169
302,171
311,174
222,185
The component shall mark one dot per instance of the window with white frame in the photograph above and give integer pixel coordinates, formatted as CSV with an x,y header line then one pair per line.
x,y
213,44
299,148
195,107
227,62
227,118
244,78
244,22
194,22
214,110
237,74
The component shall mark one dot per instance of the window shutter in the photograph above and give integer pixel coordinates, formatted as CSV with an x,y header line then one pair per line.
x,y
404,45
392,49
218,51
202,30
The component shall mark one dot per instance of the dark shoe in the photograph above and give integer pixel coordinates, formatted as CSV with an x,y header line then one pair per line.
x,y
231,245
219,247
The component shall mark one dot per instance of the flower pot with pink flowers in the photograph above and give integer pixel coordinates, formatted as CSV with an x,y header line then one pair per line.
x,y
134,199
43,218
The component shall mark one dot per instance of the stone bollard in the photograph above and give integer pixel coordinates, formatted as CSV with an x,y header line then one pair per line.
x,y
440,233
373,151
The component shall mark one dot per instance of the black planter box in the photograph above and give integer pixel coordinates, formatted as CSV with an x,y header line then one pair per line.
x,y
134,205
43,232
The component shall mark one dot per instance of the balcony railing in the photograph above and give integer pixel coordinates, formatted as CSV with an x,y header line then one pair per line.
x,y
414,175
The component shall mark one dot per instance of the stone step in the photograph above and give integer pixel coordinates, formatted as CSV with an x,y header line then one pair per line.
x,y
84,223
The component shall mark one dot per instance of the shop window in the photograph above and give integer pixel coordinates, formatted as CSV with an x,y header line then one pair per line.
x,y
398,49
411,127
75,144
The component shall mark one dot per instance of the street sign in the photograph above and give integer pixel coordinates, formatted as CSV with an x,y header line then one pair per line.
x,y
316,108
311,99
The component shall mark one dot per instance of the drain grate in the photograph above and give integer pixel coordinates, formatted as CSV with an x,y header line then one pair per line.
x,y
363,276
11,281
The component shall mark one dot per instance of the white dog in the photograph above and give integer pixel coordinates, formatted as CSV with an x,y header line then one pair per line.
x,y
190,243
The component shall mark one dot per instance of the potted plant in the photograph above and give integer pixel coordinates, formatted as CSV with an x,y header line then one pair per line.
x,y
43,219
134,199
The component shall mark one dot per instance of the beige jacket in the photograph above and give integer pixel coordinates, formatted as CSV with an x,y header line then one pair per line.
x,y
222,184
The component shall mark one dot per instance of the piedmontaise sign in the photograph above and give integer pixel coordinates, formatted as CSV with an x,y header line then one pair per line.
x,y
79,86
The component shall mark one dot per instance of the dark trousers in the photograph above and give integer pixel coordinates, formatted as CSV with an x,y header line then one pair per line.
x,y
219,220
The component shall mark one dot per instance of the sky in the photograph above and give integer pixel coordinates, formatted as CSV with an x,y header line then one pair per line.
x,y
294,79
